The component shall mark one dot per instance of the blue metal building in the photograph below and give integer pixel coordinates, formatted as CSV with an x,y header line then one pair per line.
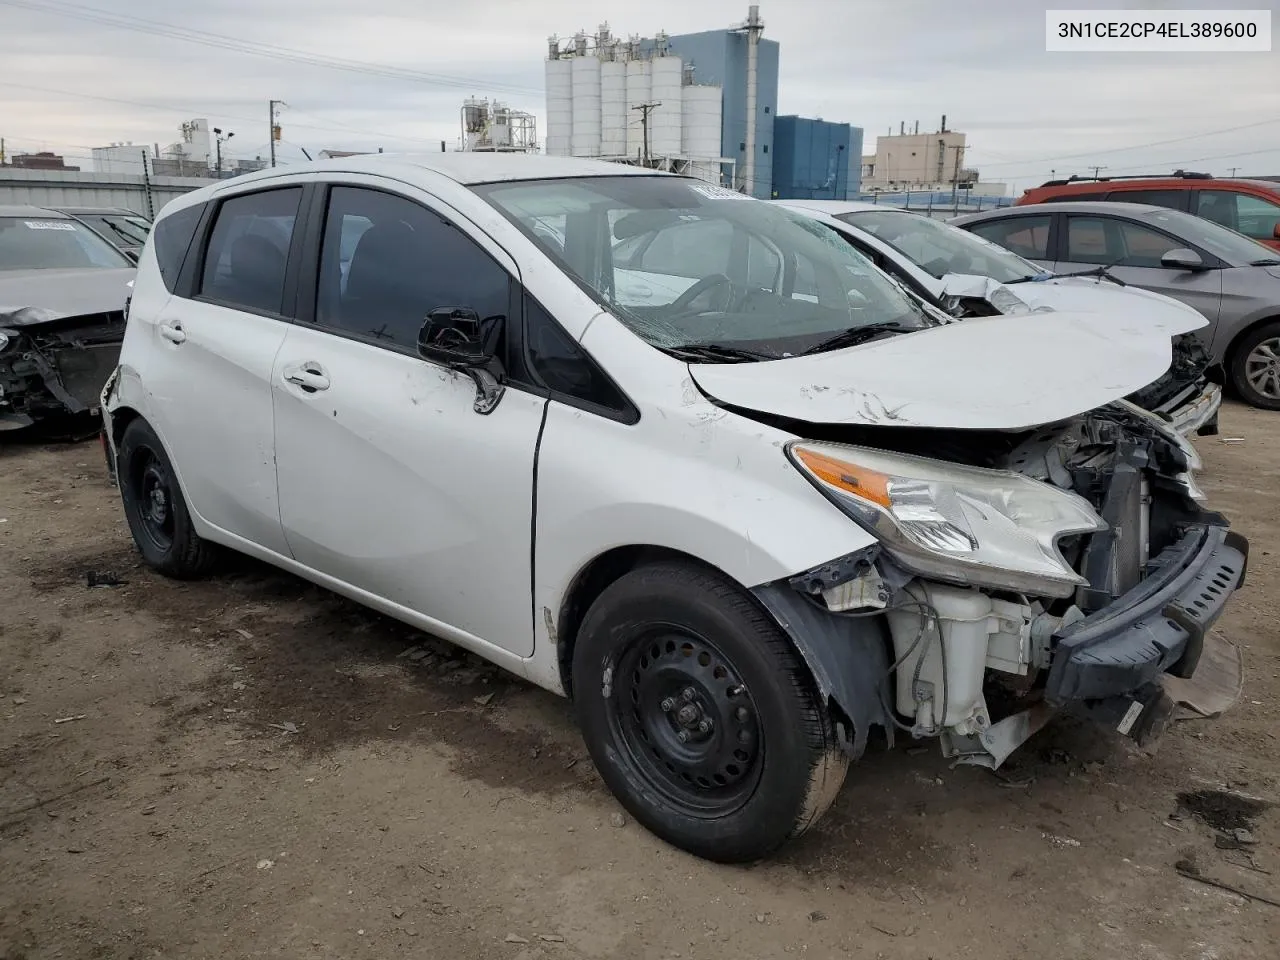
x,y
815,160
720,57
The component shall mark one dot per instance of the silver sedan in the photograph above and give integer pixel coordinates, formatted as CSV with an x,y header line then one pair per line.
x,y
1232,280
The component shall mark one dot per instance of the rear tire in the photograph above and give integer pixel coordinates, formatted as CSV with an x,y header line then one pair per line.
x,y
154,506
1254,367
699,715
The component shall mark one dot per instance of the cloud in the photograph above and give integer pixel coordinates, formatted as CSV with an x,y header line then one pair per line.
x,y
983,64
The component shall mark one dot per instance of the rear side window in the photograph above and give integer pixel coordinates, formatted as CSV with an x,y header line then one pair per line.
x,y
249,249
172,239
1173,199
1026,236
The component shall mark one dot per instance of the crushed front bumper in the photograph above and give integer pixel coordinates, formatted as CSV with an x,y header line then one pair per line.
x,y
1159,626
1198,414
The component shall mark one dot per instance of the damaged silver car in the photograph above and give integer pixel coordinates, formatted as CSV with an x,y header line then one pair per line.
x,y
63,293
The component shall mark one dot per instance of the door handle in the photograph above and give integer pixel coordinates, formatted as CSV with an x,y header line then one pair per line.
x,y
173,332
309,376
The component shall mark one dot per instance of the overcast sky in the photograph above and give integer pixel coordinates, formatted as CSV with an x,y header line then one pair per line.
x,y
981,62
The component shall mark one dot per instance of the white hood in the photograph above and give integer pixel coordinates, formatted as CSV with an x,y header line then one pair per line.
x,y
996,373
1079,294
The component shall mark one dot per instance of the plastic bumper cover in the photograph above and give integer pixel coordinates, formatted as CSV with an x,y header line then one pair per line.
x,y
1198,412
1156,627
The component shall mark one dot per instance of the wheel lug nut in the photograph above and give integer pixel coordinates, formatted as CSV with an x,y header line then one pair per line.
x,y
744,736
668,704
688,694
704,726
742,714
683,736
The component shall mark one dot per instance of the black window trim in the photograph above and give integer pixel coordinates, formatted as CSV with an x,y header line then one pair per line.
x,y
192,275
308,287
1211,260
529,380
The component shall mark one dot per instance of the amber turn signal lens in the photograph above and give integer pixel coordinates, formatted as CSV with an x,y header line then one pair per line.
x,y
860,481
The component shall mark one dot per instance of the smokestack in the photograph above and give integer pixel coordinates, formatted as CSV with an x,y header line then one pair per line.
x,y
754,27
944,124
902,128
917,129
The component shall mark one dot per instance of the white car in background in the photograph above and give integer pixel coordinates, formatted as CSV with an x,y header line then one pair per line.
x,y
968,276
680,454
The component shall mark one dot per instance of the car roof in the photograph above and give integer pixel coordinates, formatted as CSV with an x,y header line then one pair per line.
x,y
464,167
1113,207
95,211
1165,182
835,207
25,210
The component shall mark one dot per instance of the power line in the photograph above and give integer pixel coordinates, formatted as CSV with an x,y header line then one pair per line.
x,y
272,51
1138,146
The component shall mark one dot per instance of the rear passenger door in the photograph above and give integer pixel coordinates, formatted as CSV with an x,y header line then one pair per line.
x,y
216,341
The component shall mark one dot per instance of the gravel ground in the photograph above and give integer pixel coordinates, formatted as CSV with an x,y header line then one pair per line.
x,y
250,767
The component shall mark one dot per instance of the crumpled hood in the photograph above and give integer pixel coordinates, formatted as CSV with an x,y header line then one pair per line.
x,y
37,296
991,373
1079,294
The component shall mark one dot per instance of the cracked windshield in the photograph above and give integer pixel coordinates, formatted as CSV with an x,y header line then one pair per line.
x,y
697,269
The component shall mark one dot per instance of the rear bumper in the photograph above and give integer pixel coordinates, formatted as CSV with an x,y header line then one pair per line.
x,y
1198,412
1156,627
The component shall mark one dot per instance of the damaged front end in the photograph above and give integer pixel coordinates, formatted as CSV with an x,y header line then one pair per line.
x,y
1016,574
53,365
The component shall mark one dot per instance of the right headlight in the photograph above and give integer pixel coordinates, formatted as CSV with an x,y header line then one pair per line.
x,y
966,525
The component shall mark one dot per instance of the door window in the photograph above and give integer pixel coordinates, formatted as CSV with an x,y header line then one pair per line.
x,y
386,262
249,249
1255,217
1173,199
1026,236
173,235
1104,240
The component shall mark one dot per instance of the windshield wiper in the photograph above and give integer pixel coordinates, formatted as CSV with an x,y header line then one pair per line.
x,y
717,352
856,335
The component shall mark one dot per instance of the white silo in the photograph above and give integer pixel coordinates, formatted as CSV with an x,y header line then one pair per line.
x,y
586,107
613,108
700,123
665,121
638,78
559,107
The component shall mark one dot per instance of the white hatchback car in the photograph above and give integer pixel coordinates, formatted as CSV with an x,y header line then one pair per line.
x,y
682,455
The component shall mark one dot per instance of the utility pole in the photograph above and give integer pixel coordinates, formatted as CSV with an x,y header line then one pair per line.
x,y
1096,168
955,176
218,139
1233,169
645,109
273,129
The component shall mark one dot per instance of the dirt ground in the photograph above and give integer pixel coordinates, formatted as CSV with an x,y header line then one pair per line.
x,y
251,767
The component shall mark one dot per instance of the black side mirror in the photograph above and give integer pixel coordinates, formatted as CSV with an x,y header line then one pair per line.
x,y
457,338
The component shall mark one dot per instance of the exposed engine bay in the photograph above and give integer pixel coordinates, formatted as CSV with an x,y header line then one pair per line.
x,y
55,366
982,668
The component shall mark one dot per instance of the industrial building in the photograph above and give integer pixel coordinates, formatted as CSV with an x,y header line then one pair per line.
x,y
192,156
917,161
815,160
496,128
704,103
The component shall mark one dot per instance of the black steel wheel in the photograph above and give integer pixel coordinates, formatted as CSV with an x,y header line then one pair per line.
x,y
700,716
155,508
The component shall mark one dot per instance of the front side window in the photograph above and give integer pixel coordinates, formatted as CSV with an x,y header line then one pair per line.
x,y
249,249
386,262
939,248
1104,240
1220,241
1025,236
686,264
1255,217
45,243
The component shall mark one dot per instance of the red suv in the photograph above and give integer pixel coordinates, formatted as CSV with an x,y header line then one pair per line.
x,y
1251,207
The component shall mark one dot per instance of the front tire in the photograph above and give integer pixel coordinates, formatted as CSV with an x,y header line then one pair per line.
x,y
699,715
1254,367
155,508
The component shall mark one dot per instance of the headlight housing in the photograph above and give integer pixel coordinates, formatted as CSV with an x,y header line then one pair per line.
x,y
959,524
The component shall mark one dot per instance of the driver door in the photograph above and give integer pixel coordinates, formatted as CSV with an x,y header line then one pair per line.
x,y
390,482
